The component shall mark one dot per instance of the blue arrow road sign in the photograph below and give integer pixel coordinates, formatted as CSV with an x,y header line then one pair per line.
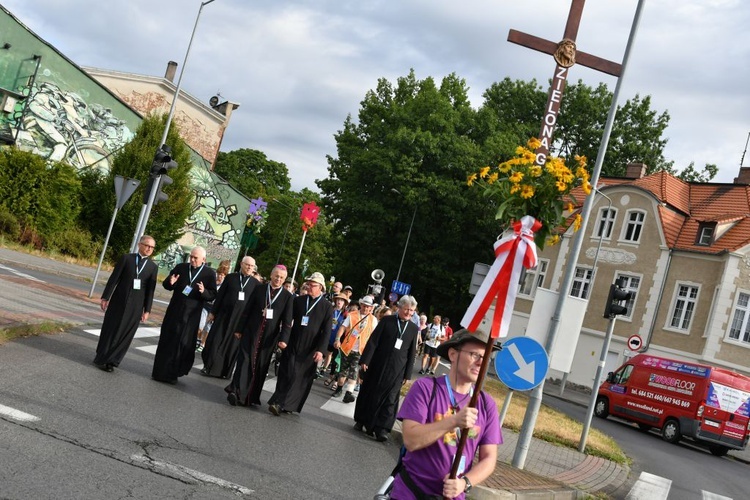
x,y
400,287
522,364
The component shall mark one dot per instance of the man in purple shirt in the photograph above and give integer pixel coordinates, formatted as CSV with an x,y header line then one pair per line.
x,y
434,414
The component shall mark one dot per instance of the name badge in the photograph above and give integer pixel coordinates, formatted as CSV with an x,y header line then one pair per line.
x,y
136,284
398,343
305,320
186,291
355,333
241,296
269,314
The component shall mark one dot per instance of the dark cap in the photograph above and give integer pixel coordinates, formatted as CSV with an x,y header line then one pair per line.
x,y
458,339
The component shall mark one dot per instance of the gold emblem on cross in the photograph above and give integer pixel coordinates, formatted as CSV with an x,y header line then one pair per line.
x,y
565,55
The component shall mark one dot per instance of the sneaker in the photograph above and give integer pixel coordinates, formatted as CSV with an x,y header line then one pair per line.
x,y
275,409
199,348
349,397
421,372
431,373
356,388
338,392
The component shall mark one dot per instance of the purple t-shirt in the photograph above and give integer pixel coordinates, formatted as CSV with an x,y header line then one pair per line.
x,y
427,467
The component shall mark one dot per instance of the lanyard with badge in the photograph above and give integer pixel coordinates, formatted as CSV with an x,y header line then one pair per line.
x,y
455,409
137,279
356,330
186,291
269,302
241,294
401,330
306,317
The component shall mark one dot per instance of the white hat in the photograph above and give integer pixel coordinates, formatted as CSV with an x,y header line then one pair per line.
x,y
317,278
367,301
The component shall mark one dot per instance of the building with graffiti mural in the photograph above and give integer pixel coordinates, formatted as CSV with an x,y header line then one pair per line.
x,y
56,109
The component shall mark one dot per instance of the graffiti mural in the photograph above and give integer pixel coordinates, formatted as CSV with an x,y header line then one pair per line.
x,y
213,222
60,126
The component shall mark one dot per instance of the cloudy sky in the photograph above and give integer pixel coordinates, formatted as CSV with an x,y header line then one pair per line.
x,y
297,67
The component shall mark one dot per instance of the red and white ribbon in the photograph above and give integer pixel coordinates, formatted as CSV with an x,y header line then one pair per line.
x,y
512,254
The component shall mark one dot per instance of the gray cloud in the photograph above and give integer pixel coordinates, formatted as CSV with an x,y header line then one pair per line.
x,y
298,67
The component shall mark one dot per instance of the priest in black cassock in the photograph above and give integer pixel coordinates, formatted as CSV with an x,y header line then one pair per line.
x,y
268,313
386,364
191,284
303,347
126,301
220,351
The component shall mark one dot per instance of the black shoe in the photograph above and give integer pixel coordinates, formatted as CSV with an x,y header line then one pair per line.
x,y
275,409
338,392
349,397
204,371
232,398
359,427
421,372
381,436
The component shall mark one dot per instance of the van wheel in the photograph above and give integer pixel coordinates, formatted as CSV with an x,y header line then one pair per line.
x,y
601,408
671,431
645,427
718,450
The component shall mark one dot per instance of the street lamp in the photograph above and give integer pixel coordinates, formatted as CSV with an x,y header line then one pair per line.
x,y
289,220
406,245
146,209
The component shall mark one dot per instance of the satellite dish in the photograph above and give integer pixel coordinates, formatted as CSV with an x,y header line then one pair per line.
x,y
214,101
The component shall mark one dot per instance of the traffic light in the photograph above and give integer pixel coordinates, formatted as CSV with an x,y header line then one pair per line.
x,y
162,163
617,294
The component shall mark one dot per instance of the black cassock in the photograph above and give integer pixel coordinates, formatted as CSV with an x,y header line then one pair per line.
x,y
387,368
126,306
297,369
259,339
220,351
175,353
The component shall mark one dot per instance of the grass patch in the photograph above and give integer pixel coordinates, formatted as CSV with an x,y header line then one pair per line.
x,y
20,331
551,425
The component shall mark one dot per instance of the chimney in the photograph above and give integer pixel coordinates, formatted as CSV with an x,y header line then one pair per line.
x,y
743,177
171,70
636,171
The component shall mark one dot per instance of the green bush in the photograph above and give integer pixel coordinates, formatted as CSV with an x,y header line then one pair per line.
x,y
75,243
9,224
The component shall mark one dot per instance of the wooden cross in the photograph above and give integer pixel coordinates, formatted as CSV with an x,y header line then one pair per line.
x,y
565,55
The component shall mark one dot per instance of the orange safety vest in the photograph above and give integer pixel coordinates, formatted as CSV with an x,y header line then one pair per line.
x,y
364,326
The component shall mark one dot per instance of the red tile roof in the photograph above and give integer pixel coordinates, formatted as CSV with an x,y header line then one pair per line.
x,y
687,206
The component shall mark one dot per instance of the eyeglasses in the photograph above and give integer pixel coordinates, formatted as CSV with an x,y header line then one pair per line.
x,y
148,246
475,356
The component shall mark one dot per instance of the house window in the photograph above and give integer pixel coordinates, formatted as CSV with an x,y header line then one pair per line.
x,y
633,226
605,223
705,235
581,283
533,278
684,306
630,284
740,329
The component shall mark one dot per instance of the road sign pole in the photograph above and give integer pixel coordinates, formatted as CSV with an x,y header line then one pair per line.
x,y
597,383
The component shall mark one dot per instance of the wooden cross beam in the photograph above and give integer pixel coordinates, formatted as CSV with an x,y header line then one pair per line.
x,y
565,55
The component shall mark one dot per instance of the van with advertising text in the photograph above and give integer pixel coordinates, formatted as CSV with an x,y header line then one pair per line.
x,y
707,404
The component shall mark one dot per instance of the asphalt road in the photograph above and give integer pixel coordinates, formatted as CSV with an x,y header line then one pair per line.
x,y
691,469
122,435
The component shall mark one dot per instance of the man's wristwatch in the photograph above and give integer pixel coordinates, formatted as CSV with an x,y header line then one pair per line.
x,y
468,484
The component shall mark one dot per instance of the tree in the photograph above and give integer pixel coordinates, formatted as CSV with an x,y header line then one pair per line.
x,y
411,150
512,113
690,174
133,161
250,172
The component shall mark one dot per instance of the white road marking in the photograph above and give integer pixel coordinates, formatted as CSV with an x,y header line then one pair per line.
x,y
20,274
707,495
17,414
142,332
650,487
200,476
151,349
339,408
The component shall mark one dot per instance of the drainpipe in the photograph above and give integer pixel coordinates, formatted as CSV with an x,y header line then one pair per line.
x,y
647,342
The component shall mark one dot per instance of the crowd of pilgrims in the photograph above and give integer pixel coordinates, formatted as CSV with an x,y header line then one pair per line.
x,y
243,325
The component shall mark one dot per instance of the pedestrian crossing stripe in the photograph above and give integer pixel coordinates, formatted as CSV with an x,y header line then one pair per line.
x,y
652,487
332,405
